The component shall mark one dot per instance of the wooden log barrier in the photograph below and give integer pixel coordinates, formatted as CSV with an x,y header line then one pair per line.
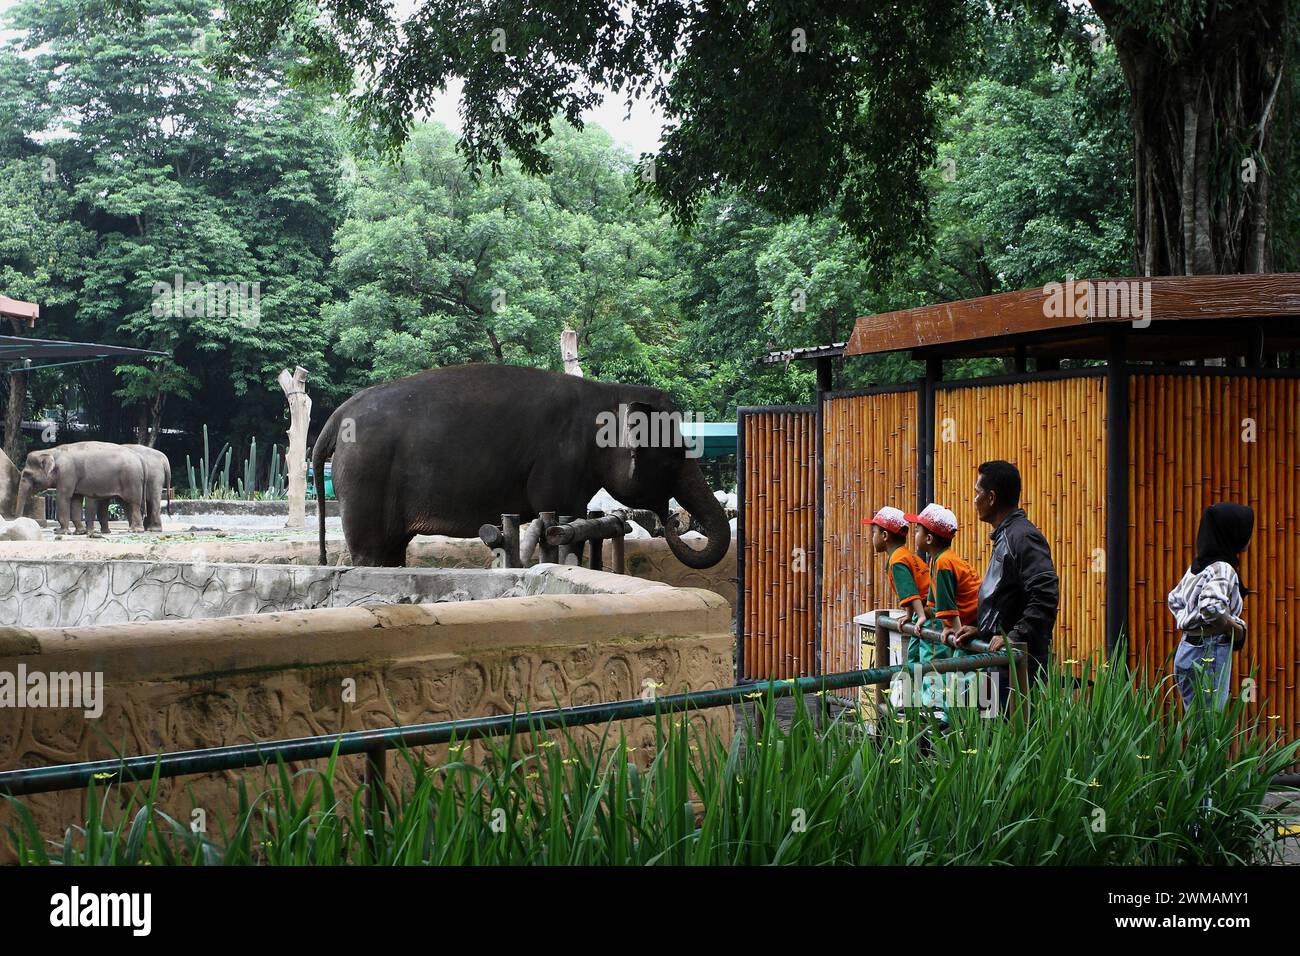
x,y
587,529
558,539
504,538
565,548
550,554
595,560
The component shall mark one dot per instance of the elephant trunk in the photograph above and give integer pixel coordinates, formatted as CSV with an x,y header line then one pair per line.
x,y
694,493
22,498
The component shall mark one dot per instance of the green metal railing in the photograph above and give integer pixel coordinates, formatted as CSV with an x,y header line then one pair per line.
x,y
376,743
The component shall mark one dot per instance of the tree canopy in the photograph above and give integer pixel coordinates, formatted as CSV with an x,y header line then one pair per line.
x,y
805,105
129,157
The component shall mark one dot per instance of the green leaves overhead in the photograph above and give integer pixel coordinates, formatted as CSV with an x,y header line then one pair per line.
x,y
170,171
441,268
799,106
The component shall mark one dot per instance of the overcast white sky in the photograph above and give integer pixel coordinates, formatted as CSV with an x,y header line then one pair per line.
x,y
638,133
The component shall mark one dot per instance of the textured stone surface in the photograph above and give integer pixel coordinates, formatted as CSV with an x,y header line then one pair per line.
x,y
647,558
573,635
77,593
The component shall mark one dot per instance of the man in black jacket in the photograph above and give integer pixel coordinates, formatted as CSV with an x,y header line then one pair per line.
x,y
1020,593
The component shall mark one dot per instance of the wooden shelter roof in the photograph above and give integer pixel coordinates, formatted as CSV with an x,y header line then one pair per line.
x,y
18,309
834,350
1190,316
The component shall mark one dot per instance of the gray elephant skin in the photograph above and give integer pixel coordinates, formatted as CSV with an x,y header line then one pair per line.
x,y
9,478
157,479
93,469
449,450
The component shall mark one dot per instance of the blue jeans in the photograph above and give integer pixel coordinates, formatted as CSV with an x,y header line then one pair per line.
x,y
1203,672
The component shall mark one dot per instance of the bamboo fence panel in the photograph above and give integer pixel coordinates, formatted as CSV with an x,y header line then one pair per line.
x,y
1190,446
780,543
868,461
1055,433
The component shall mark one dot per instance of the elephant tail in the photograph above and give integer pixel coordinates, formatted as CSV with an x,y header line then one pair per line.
x,y
323,449
167,484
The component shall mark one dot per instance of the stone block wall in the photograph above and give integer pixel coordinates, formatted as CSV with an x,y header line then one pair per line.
x,y
574,637
645,558
82,593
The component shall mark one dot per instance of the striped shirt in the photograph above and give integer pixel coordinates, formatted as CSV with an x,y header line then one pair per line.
x,y
1210,600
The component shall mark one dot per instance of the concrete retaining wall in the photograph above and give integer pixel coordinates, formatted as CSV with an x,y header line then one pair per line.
x,y
83,593
576,637
647,558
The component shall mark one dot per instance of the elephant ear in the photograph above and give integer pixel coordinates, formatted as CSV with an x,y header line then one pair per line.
x,y
634,432
44,463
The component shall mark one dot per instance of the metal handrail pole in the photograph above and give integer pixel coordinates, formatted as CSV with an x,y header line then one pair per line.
x,y
77,775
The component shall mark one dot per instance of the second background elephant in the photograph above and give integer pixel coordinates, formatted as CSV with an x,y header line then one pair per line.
x,y
157,480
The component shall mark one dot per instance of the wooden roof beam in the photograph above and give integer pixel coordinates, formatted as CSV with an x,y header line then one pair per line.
x,y
1064,306
18,309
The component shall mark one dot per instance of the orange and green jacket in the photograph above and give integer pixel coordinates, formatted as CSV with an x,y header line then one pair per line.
x,y
954,588
909,575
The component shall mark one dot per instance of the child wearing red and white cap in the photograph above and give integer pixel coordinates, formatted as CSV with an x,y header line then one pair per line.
x,y
909,575
953,596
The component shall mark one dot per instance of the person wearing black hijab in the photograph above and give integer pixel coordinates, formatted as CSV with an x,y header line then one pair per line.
x,y
1207,605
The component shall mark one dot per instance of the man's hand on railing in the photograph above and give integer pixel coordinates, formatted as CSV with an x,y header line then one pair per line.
x,y
967,632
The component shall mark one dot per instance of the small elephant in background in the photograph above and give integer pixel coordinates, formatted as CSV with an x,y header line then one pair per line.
x,y
9,478
157,479
92,469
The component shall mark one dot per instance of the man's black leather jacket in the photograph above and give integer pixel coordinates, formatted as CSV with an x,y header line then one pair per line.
x,y
1020,593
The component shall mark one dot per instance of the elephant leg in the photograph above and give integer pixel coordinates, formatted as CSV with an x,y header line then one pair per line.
x,y
64,500
372,541
389,555
79,512
134,517
153,515
101,512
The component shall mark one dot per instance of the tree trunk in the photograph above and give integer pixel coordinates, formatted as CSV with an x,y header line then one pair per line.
x,y
1203,96
14,444
295,390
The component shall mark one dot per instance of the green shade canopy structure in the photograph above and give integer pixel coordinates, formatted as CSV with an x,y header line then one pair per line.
x,y
16,348
719,437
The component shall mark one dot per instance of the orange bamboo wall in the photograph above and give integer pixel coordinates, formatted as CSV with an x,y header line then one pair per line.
x,y
1055,432
780,543
1186,451
869,460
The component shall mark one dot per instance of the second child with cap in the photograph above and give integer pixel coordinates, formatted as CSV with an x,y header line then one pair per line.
x,y
909,575
953,597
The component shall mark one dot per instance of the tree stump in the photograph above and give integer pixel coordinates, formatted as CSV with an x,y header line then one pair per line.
x,y
569,352
295,391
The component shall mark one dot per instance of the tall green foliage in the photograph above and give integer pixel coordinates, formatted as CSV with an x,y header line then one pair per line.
x,y
1103,774
440,268
172,172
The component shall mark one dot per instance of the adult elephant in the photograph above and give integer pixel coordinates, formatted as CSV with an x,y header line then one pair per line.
x,y
157,480
92,469
449,450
